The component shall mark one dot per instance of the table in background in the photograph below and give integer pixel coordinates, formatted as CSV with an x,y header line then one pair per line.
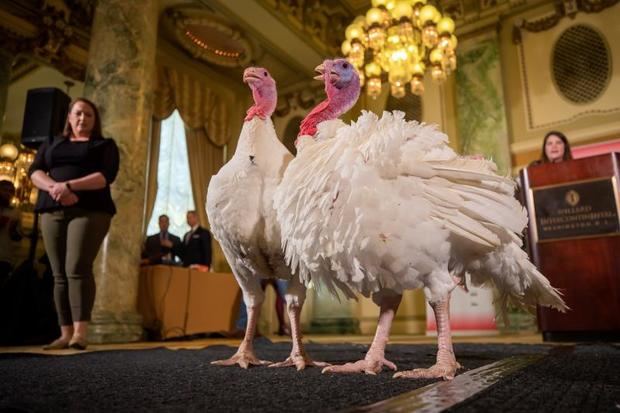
x,y
177,301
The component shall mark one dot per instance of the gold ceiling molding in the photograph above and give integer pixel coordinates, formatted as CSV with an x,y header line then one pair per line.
x,y
298,99
324,21
466,11
563,8
53,32
210,38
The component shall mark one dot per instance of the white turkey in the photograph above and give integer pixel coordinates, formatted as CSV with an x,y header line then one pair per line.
x,y
242,217
383,205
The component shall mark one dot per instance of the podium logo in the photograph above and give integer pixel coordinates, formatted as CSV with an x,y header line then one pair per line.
x,y
572,197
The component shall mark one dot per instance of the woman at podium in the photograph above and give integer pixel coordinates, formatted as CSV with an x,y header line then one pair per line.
x,y
555,148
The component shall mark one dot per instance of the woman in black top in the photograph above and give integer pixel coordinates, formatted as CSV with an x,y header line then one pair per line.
x,y
73,174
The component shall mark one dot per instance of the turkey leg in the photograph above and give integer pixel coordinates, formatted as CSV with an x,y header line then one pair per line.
x,y
446,365
245,356
375,357
295,297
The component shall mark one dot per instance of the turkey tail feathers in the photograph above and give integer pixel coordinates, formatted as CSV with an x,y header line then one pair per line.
x,y
516,279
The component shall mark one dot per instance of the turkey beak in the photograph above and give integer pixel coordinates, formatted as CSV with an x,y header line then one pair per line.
x,y
249,75
319,69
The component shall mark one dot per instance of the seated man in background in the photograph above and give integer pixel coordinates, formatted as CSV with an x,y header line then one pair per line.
x,y
160,248
195,250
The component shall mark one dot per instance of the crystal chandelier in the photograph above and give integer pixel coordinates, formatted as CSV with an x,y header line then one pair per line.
x,y
401,39
14,166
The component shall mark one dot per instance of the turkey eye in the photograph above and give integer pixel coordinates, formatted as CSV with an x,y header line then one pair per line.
x,y
345,65
265,74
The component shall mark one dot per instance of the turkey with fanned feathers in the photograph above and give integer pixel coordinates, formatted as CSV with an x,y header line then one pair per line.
x,y
383,205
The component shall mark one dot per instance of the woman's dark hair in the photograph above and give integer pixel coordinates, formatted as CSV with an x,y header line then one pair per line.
x,y
96,132
567,152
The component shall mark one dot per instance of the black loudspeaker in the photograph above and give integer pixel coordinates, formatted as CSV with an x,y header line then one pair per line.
x,y
44,116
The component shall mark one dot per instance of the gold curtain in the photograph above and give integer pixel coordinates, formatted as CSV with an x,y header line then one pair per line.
x,y
200,107
205,159
151,178
164,102
162,108
207,124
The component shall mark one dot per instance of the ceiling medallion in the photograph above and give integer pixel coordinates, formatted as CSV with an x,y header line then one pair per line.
x,y
210,38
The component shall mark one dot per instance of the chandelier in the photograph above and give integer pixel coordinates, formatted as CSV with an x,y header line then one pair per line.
x,y
400,40
14,166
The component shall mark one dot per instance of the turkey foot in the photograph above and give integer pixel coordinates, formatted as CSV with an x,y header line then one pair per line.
x,y
300,361
375,357
445,368
370,365
244,358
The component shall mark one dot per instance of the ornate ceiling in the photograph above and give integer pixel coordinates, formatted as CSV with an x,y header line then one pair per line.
x,y
290,37
54,32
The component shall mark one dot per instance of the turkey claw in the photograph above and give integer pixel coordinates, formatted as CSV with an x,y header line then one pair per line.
x,y
300,362
244,361
372,367
444,371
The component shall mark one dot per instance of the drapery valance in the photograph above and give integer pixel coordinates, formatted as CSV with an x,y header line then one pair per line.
x,y
199,106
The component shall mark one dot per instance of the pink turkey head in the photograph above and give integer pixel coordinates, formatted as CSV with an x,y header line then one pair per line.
x,y
338,73
342,86
342,83
263,91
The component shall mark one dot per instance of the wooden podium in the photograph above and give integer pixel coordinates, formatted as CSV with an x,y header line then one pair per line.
x,y
574,240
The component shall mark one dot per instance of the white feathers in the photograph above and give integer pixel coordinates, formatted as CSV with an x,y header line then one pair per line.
x,y
240,207
386,204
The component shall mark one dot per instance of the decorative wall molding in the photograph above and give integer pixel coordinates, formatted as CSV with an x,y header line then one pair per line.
x,y
302,99
55,34
50,31
538,97
12,42
324,21
210,38
563,8
468,11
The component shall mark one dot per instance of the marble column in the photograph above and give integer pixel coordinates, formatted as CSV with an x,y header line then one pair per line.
x,y
480,103
483,129
6,61
119,79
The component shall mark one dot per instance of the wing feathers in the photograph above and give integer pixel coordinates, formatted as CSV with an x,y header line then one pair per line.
x,y
386,203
